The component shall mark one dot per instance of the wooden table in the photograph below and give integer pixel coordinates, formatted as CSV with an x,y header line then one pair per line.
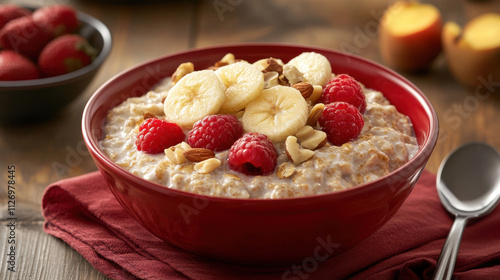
x,y
46,152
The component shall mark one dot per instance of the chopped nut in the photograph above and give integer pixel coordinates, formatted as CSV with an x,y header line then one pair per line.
x,y
262,64
212,68
148,115
285,170
219,64
271,79
315,113
306,89
294,152
183,146
207,165
228,58
198,154
181,71
292,74
282,80
175,156
316,94
273,66
311,138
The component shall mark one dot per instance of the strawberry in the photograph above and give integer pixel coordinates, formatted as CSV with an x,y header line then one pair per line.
x,y
16,67
24,36
9,12
65,54
59,19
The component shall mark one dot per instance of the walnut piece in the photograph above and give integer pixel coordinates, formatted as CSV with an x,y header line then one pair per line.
x,y
262,64
273,66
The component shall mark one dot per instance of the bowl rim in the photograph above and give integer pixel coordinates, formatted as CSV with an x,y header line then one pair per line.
x,y
420,158
51,81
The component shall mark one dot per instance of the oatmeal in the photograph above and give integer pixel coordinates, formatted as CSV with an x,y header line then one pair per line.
x,y
307,162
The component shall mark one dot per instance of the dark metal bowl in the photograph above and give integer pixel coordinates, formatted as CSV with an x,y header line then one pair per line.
x,y
31,100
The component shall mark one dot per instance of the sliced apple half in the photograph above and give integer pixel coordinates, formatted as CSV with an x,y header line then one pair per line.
x,y
473,52
410,35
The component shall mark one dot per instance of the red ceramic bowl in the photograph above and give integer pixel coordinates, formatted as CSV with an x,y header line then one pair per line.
x,y
258,231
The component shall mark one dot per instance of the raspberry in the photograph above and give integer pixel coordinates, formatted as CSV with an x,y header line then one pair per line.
x,y
253,154
341,122
344,88
156,135
215,132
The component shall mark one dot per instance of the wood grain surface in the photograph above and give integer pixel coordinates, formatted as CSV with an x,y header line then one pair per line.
x,y
52,150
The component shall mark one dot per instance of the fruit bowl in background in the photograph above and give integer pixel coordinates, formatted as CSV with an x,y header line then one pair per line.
x,y
31,100
260,231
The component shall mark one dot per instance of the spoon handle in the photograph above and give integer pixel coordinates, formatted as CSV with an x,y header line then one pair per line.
x,y
448,257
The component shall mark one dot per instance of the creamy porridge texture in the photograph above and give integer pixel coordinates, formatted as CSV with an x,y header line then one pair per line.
x,y
306,163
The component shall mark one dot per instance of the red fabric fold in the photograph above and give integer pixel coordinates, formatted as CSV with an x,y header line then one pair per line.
x,y
83,213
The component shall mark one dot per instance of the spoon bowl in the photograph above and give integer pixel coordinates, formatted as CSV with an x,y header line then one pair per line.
x,y
468,185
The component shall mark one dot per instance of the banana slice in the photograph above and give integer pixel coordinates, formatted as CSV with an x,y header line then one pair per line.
x,y
243,82
278,112
194,96
315,67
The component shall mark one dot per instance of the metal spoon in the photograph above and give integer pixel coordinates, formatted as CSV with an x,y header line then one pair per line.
x,y
468,184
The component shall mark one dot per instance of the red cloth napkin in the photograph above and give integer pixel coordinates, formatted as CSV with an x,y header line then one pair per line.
x,y
83,213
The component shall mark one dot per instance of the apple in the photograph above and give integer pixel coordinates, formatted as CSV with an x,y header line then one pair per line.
x,y
475,51
410,35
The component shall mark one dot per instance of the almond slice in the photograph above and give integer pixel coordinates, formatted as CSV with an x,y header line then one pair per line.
x,y
175,156
207,165
183,146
